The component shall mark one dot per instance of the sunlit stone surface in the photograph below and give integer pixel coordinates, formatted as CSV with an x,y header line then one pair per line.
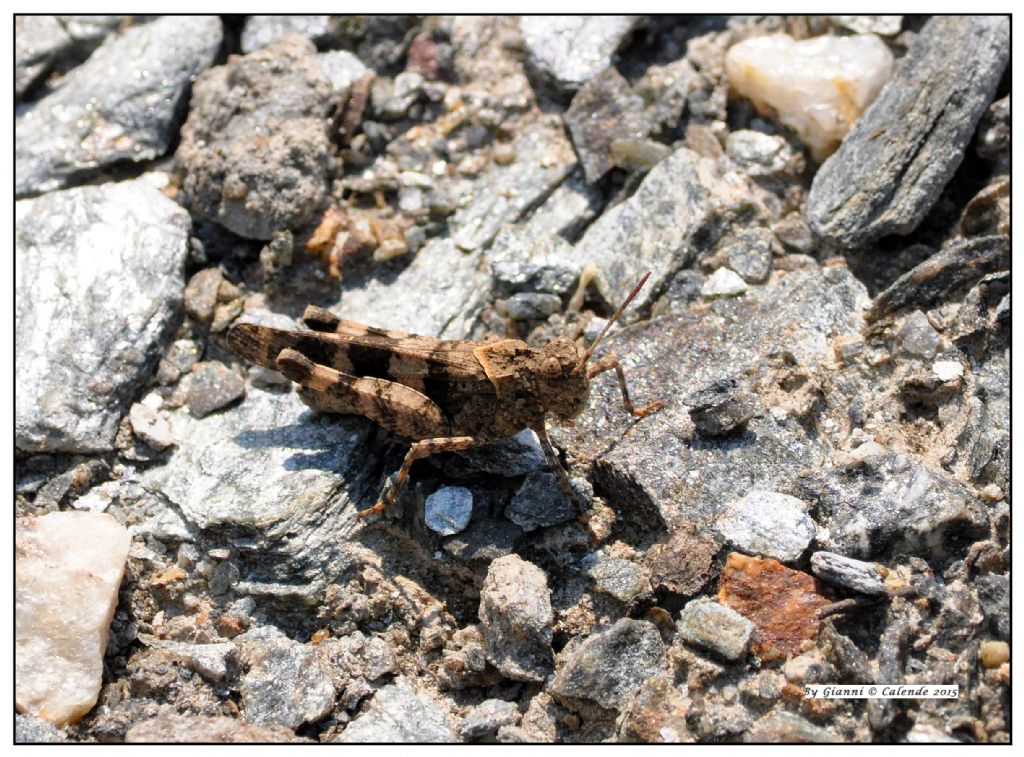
x,y
67,572
818,87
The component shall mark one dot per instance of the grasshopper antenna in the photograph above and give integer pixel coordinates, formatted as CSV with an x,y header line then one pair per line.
x,y
622,307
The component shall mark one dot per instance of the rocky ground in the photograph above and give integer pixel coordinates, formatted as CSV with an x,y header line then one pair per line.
x,y
824,498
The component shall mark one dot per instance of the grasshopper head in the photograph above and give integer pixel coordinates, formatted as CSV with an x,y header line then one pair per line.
x,y
563,389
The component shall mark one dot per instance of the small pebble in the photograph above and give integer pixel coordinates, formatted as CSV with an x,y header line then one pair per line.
x,y
857,575
948,370
448,510
994,653
723,283
716,628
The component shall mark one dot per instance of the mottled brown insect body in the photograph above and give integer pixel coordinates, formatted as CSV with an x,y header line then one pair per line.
x,y
445,395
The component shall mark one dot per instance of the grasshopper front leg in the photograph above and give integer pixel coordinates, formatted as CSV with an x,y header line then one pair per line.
x,y
609,362
561,476
418,450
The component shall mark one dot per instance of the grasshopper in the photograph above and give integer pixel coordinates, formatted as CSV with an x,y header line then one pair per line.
x,y
446,396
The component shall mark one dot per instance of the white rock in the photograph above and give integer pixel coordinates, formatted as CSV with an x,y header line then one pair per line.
x,y
948,370
818,87
768,523
68,567
723,283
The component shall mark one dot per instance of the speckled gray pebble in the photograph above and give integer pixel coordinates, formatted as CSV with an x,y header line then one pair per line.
x,y
768,523
516,618
609,666
716,628
487,717
398,714
448,510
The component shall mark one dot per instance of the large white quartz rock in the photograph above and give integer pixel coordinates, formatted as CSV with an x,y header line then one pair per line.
x,y
68,567
818,87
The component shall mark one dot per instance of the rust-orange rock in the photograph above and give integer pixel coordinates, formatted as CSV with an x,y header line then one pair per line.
x,y
783,604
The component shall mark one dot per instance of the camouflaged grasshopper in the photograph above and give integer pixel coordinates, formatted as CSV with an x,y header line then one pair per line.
x,y
444,395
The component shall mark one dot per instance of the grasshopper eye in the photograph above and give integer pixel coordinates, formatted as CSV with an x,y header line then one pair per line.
x,y
551,368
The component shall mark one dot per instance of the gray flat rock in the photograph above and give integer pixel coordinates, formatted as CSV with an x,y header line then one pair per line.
x,y
100,279
120,105
278,483
569,50
899,155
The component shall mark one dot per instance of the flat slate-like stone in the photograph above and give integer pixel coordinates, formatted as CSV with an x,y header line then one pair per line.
x,y
661,228
120,105
899,155
100,279
569,50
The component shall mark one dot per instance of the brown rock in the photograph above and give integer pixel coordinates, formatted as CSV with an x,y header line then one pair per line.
x,y
168,727
782,604
657,714
681,565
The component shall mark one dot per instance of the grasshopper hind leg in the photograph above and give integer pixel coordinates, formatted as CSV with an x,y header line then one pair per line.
x,y
418,450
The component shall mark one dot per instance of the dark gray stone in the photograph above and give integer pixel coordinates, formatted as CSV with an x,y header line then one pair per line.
x,y
540,503
120,105
716,628
927,113
994,596
721,407
605,109
879,501
255,148
100,276
516,619
286,683
609,667
856,575
397,714
485,540
525,306
567,51
952,268
515,456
